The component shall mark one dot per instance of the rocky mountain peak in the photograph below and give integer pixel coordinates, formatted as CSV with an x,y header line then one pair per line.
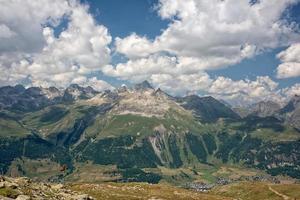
x,y
296,100
207,108
89,89
143,100
123,88
291,112
74,92
19,88
33,91
264,108
159,92
145,85
74,86
53,89
51,92
10,90
292,105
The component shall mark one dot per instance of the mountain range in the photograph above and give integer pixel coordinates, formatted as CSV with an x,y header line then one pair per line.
x,y
142,134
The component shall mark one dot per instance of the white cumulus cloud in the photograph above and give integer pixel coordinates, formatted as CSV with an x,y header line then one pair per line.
x,y
243,92
184,84
36,55
204,35
290,58
93,82
290,92
218,33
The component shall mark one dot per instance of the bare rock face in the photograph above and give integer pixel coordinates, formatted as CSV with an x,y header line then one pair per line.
x,y
82,197
141,100
291,112
23,188
145,102
5,198
23,197
145,85
207,108
75,92
264,108
51,93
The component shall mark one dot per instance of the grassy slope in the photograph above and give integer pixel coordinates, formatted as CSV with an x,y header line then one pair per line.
x,y
53,119
140,126
11,128
40,169
203,173
257,190
289,134
141,191
290,190
241,190
264,132
93,173
117,125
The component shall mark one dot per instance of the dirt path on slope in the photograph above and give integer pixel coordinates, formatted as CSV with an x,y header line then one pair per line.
x,y
285,197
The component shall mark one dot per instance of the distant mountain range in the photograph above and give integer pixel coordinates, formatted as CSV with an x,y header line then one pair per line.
x,y
289,113
140,132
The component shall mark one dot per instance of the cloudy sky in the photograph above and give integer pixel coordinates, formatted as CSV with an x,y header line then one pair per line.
x,y
241,51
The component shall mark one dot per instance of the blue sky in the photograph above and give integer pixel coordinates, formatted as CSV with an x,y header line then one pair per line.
x,y
242,51
125,17
129,16
140,16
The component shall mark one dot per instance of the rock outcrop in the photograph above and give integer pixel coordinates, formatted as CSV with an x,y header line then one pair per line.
x,y
23,188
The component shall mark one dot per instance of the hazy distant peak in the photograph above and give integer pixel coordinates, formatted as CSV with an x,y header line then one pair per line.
x,y
143,86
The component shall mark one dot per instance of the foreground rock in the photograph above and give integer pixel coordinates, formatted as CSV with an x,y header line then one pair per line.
x,y
23,188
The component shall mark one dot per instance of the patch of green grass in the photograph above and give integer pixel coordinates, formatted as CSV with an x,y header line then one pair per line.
x,y
246,191
53,119
119,125
289,134
180,176
137,125
11,128
54,114
40,169
141,191
8,192
88,172
207,174
290,190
